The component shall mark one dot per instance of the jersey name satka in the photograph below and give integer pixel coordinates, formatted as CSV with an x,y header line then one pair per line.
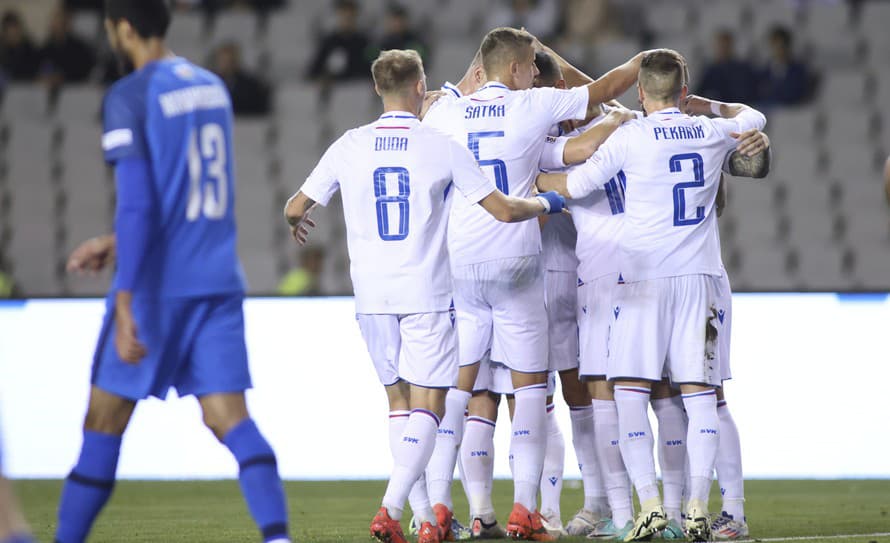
x,y
671,164
504,129
178,117
395,176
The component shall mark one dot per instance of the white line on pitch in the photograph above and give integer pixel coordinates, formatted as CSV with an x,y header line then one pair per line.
x,y
813,537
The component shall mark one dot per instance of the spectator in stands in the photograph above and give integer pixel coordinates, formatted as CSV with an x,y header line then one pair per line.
x,y
784,81
539,17
727,78
343,53
250,95
19,59
65,57
398,34
305,279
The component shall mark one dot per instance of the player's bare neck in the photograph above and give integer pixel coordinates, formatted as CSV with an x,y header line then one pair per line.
x,y
506,80
399,103
149,50
650,106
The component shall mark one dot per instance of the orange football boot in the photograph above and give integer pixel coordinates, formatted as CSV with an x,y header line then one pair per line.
x,y
386,529
524,525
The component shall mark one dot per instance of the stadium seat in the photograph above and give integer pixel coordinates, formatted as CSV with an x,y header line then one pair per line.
x,y
615,52
851,125
820,268
80,103
871,266
841,89
261,270
25,102
853,162
32,248
796,162
450,61
765,15
729,14
763,267
810,230
793,124
234,25
824,20
187,31
87,25
873,27
668,18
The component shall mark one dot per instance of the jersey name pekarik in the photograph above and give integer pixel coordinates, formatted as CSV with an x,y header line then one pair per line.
x,y
678,132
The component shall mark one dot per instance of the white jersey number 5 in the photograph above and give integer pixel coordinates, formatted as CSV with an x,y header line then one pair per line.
x,y
209,183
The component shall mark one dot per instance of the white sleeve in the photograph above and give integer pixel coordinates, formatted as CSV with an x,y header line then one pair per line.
x,y
746,120
605,163
322,183
564,104
465,173
552,156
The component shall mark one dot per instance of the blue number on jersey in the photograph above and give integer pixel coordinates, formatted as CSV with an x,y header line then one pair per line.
x,y
384,199
615,192
500,169
679,194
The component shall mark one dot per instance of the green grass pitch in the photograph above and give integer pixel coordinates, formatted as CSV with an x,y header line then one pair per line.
x,y
328,512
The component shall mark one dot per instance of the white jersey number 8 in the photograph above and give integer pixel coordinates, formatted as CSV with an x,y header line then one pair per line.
x,y
208,143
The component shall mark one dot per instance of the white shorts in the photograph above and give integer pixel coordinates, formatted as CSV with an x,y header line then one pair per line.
x,y
724,325
595,316
665,327
500,308
420,348
561,300
496,378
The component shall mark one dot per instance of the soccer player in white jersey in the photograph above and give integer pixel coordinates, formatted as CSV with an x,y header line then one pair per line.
x,y
395,174
670,262
498,275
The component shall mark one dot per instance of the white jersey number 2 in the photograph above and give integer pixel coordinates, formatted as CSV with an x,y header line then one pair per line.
x,y
209,182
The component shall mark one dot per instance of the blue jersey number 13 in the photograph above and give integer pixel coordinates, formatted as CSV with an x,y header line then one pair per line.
x,y
676,164
207,145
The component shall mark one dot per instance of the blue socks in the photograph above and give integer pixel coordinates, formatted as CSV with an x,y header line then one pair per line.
x,y
259,479
88,487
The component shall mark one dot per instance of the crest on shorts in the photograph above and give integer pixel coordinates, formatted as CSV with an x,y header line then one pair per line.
x,y
616,311
553,480
451,313
720,315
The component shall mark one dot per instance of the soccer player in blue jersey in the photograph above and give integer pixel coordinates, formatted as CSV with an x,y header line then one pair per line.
x,y
174,314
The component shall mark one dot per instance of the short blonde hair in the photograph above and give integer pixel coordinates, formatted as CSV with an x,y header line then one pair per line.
x,y
504,45
396,69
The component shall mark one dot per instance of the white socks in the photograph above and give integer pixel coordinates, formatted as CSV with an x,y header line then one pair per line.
x,y
671,452
477,457
605,423
440,472
528,443
729,464
410,457
636,439
701,441
585,443
554,464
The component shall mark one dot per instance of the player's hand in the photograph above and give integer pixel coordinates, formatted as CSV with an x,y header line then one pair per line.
x,y
126,341
751,141
622,115
430,99
92,256
300,225
696,105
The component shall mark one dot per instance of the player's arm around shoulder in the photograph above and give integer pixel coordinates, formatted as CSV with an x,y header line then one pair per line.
x,y
581,147
744,117
590,176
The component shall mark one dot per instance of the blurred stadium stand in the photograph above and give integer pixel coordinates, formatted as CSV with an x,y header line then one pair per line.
x,y
820,222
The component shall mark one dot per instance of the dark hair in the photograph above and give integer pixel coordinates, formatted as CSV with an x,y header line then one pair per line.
x,y
781,33
548,68
502,46
662,74
150,18
397,10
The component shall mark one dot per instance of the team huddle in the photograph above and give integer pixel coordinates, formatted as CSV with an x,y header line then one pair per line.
x,y
513,229
625,299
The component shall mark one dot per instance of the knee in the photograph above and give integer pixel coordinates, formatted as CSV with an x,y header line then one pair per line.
x,y
220,421
106,420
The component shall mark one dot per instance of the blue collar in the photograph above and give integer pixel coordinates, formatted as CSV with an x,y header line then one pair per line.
x,y
668,111
495,85
452,88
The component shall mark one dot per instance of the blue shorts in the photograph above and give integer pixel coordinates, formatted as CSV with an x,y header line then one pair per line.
x,y
193,344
